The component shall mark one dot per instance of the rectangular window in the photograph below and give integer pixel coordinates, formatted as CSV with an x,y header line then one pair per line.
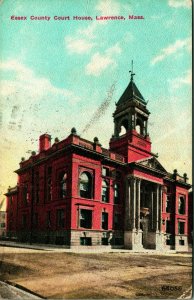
x,y
49,170
181,227
48,219
168,204
85,218
168,188
24,221
2,225
105,191
181,242
37,187
37,197
181,208
60,218
49,189
105,171
105,221
85,241
35,219
167,226
168,242
49,184
11,200
104,241
25,195
105,195
116,193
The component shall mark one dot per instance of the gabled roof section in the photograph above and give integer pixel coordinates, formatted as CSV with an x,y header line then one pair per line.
x,y
131,93
153,164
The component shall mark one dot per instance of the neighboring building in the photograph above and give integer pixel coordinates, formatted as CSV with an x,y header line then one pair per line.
x,y
190,218
2,224
12,212
75,192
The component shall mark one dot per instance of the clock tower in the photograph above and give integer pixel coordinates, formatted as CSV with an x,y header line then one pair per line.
x,y
131,137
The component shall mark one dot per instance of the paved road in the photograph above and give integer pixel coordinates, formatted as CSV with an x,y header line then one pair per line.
x,y
10,292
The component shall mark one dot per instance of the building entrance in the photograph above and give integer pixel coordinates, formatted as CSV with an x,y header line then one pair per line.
x,y
144,226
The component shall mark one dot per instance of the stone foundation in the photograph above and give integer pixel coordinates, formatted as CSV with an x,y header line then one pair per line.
x,y
181,243
59,237
133,240
96,238
154,240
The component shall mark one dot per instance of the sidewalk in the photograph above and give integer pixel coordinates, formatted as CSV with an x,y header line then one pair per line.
x,y
84,249
8,291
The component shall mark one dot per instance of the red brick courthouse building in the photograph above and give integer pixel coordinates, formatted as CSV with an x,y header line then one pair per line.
x,y
75,192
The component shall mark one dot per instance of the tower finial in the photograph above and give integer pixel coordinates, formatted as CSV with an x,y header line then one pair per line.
x,y
131,71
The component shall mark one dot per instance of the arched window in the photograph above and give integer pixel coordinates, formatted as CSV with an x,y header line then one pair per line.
x,y
138,129
116,193
124,127
123,130
181,205
85,185
139,126
105,191
63,185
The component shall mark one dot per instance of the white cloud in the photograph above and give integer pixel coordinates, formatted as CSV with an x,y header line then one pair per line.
x,y
172,49
100,62
112,7
179,3
30,105
108,7
89,31
82,41
186,79
114,50
78,45
27,85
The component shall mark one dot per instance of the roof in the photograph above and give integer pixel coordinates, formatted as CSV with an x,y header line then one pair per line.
x,y
76,144
151,164
12,190
130,93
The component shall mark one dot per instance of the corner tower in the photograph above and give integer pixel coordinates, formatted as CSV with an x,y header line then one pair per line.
x,y
131,137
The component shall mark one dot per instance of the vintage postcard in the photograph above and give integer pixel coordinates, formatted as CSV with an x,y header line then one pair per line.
x,y
95,120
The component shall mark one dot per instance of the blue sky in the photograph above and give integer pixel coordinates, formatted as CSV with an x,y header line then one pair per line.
x,y
55,74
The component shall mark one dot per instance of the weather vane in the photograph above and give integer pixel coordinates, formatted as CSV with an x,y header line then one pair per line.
x,y
132,74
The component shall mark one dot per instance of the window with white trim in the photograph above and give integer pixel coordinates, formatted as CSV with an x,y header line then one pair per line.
x,y
85,185
85,218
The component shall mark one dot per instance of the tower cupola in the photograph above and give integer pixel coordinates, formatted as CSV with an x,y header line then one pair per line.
x,y
131,121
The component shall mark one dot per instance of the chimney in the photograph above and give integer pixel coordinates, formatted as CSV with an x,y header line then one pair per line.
x,y
44,142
